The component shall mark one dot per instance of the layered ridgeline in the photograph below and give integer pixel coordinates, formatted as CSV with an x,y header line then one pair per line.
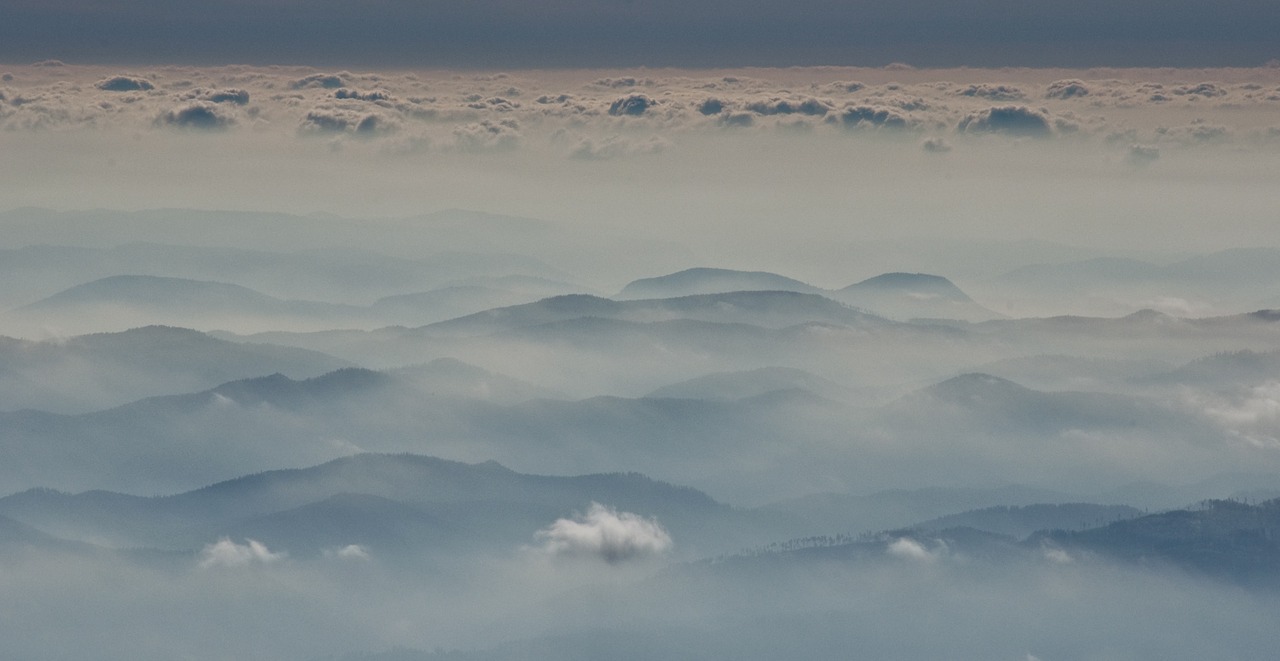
x,y
749,437
404,508
619,559
897,295
412,508
326,273
127,301
92,372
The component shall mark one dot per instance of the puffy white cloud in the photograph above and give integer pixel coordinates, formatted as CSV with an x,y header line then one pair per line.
x,y
605,534
911,549
226,553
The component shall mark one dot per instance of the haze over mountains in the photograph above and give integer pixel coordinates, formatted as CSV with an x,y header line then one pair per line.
x,y
441,440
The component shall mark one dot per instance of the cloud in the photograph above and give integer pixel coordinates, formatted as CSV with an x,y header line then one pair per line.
x,y
605,534
935,145
854,117
321,80
776,106
487,135
711,106
910,549
626,81
1252,414
124,84
343,120
1066,89
633,105
199,115
615,147
1202,89
1012,120
237,96
348,552
226,553
993,92
376,95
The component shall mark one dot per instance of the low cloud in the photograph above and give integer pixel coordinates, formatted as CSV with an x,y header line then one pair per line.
x,y
1010,120
321,80
354,552
1252,414
199,115
935,145
910,549
376,95
605,534
124,84
776,106
993,92
343,120
616,147
1066,89
226,553
487,135
855,117
633,105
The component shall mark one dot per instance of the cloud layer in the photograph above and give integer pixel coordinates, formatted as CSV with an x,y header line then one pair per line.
x,y
585,114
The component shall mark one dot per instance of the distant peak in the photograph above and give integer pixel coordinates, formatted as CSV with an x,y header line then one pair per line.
x,y
899,280
1147,314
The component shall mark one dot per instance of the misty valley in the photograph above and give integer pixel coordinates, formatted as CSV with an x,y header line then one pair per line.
x,y
468,436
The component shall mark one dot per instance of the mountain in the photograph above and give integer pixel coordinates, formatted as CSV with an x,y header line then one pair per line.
x,y
767,309
730,386
1220,538
126,301
347,274
711,281
1222,370
912,296
828,513
449,377
999,404
174,442
1062,372
92,372
897,295
401,504
419,309
1021,521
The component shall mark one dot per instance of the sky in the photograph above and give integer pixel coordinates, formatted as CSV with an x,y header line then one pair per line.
x,y
619,33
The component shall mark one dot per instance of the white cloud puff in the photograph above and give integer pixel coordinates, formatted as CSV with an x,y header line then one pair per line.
x,y
226,553
912,550
605,534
